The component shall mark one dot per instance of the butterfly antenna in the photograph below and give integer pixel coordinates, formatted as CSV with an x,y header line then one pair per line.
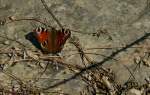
x,y
53,16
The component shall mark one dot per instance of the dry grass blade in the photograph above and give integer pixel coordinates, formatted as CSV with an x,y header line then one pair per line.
x,y
28,19
49,11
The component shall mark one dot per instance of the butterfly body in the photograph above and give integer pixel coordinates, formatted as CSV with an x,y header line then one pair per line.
x,y
51,41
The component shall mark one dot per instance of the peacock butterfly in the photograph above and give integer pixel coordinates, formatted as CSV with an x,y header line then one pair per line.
x,y
49,40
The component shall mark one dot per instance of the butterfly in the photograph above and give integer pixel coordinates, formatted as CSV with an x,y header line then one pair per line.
x,y
49,40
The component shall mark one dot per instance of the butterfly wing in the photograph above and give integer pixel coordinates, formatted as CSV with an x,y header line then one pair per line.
x,y
42,36
51,41
62,36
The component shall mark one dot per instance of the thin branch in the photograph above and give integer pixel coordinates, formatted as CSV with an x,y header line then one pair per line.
x,y
49,11
28,19
92,66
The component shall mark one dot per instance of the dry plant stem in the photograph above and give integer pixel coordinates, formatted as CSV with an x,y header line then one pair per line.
x,y
45,58
76,67
49,11
28,19
97,48
21,82
78,46
89,53
41,73
57,21
78,31
108,85
12,76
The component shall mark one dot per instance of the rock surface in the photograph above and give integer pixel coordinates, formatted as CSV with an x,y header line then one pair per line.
x,y
124,20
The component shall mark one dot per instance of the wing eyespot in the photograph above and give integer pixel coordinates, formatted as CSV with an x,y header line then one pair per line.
x,y
45,43
67,32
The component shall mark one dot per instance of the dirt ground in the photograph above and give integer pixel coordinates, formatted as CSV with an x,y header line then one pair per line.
x,y
108,52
